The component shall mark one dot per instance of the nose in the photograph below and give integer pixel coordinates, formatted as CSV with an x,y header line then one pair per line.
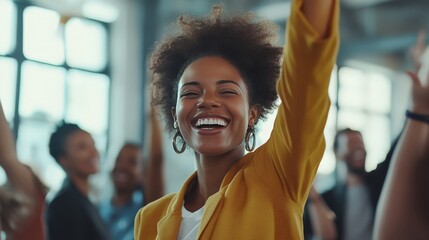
x,y
208,100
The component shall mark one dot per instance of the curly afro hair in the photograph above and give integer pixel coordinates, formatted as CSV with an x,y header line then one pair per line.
x,y
246,41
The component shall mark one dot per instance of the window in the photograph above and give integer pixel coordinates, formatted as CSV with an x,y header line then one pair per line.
x,y
43,36
364,105
86,42
88,103
60,64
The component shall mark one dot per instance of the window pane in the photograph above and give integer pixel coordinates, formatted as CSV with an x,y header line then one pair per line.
x,y
86,43
88,103
33,150
43,35
366,91
42,91
380,90
352,119
377,140
8,86
7,26
353,88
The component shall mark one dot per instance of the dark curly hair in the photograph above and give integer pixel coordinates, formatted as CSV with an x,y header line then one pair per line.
x,y
244,40
57,142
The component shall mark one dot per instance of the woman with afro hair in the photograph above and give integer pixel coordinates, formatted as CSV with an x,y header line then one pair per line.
x,y
213,80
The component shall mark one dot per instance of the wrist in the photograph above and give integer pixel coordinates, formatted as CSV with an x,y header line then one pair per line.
x,y
420,116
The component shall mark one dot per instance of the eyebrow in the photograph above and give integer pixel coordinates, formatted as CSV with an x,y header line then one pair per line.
x,y
227,81
195,83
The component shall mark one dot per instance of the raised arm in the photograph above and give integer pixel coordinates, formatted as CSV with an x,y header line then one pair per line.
x,y
153,173
319,14
296,144
19,176
403,207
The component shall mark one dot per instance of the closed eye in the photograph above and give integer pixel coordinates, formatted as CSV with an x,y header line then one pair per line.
x,y
228,92
188,94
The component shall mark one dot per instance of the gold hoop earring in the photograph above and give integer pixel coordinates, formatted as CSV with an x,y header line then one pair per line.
x,y
178,134
250,136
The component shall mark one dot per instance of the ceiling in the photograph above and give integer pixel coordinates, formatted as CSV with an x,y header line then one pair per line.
x,y
378,31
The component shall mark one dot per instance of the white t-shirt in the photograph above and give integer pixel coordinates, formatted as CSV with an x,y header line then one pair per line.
x,y
190,225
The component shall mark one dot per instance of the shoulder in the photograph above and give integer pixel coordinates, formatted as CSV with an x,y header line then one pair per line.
x,y
65,200
148,217
158,207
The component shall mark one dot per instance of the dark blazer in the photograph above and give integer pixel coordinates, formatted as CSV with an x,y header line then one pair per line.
x,y
71,216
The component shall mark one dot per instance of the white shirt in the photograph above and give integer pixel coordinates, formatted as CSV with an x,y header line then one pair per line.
x,y
190,225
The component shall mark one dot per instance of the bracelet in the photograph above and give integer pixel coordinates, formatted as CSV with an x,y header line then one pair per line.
x,y
418,117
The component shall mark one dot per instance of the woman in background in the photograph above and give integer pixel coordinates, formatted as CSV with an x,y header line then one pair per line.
x,y
71,215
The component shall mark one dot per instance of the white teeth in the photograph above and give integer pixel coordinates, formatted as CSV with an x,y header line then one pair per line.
x,y
211,121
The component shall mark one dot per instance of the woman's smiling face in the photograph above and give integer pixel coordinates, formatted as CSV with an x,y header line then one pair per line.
x,y
212,109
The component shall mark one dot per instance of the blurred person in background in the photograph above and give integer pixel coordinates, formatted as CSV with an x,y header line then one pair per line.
x,y
25,192
354,198
136,182
71,214
403,211
326,215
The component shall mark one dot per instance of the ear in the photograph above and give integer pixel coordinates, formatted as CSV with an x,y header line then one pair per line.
x,y
254,113
173,114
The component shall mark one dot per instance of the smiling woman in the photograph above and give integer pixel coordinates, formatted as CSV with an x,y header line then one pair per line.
x,y
215,79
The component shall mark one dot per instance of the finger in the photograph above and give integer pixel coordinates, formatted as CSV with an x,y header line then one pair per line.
x,y
414,78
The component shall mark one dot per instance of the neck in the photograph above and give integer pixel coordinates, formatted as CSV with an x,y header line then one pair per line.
x,y
81,183
122,197
211,172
